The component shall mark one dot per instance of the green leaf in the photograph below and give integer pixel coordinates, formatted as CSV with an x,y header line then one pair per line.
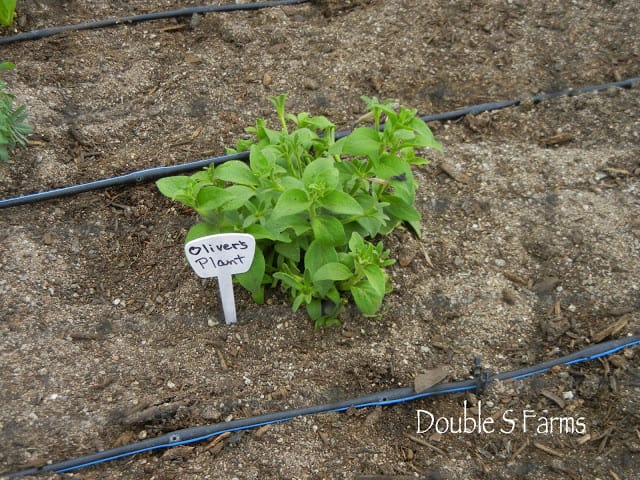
x,y
334,271
367,297
299,119
377,278
416,226
260,232
364,142
356,242
425,137
303,137
410,157
265,134
328,230
325,322
391,165
403,211
279,104
298,223
319,123
238,196
235,171
374,216
297,302
319,254
262,160
291,202
289,280
399,209
289,250
7,7
403,134
341,203
334,296
203,176
398,172
252,279
201,229
173,186
211,198
291,183
314,310
321,171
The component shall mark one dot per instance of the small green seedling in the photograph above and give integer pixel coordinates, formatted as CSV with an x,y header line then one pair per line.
x,y
313,203
13,126
7,7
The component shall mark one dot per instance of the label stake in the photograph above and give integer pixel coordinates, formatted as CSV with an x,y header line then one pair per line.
x,y
222,256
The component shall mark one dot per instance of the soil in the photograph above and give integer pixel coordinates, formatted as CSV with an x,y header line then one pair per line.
x,y
531,245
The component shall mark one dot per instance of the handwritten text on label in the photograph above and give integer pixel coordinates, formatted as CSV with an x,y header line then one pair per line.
x,y
223,254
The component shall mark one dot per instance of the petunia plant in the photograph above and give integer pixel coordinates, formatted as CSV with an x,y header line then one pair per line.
x,y
315,204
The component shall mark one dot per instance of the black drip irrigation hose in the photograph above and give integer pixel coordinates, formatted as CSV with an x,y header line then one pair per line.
x,y
155,173
145,17
390,397
132,178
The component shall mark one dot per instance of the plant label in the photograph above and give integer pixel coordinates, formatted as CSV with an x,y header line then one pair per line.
x,y
222,256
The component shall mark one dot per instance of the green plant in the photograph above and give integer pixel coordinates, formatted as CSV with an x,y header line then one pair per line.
x,y
13,129
312,202
7,7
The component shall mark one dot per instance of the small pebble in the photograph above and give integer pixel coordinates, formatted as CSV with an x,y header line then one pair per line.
x,y
546,285
407,257
210,413
195,20
47,238
311,84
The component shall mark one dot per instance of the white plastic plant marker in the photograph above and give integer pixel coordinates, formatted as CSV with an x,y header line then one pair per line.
x,y
222,256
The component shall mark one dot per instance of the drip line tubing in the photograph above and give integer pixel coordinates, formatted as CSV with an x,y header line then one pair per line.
x,y
132,178
155,173
145,17
389,397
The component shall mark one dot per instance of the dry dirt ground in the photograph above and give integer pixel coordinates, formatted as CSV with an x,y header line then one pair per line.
x,y
533,245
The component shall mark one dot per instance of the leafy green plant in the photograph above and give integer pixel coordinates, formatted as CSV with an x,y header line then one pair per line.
x,y
13,128
7,7
313,202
